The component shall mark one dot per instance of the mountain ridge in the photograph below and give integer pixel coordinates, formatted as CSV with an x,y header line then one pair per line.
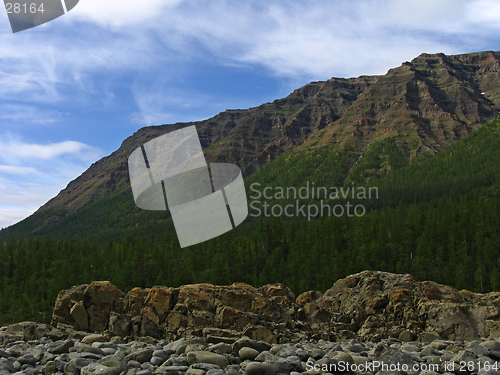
x,y
426,104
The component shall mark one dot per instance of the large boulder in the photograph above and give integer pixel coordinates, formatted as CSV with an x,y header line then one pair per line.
x,y
64,302
100,298
369,305
376,305
159,302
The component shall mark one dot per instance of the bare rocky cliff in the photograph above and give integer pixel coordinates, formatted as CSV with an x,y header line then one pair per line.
x,y
426,104
368,306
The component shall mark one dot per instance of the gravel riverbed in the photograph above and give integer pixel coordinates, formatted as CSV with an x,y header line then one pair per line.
x,y
100,355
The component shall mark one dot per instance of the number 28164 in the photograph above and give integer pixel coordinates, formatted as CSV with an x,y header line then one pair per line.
x,y
24,8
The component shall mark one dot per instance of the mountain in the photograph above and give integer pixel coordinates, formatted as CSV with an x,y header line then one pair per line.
x,y
374,125
437,218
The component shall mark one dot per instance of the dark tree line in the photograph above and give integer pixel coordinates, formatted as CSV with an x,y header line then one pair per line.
x,y
452,242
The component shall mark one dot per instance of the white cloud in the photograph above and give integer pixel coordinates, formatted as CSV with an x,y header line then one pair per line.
x,y
322,39
99,41
15,149
119,13
9,217
31,174
140,52
19,199
9,169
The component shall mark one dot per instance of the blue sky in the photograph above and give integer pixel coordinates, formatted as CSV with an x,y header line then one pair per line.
x,y
73,89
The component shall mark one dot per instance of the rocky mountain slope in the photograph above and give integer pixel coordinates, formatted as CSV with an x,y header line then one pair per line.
x,y
368,306
425,105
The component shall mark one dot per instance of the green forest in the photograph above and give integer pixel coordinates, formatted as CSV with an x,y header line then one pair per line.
x,y
436,218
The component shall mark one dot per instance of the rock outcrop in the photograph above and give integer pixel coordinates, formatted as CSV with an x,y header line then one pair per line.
x,y
368,306
376,305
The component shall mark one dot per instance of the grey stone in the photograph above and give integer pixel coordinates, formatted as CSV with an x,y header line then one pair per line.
x,y
215,371
194,371
17,365
90,339
6,365
108,351
260,346
289,364
195,348
16,350
344,357
204,366
74,366
489,372
259,368
116,366
429,351
180,345
430,337
85,348
479,350
267,356
110,358
133,364
318,353
354,346
248,353
302,354
96,369
392,355
161,354
207,357
464,356
28,359
492,345
156,361
409,348
92,356
50,368
171,369
406,336
221,348
38,352
141,355
286,352
60,364
439,345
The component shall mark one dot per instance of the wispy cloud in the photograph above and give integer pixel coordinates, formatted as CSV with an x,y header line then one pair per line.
x,y
321,39
19,150
31,174
29,114
136,58
314,39
9,169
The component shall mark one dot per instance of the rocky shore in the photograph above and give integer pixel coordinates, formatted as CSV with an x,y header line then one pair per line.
x,y
368,306
368,323
55,352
